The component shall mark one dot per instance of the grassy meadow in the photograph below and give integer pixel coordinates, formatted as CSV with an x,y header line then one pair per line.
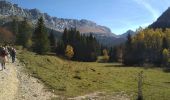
x,y
70,79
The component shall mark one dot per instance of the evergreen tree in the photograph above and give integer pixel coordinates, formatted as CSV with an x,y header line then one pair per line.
x,y
139,49
40,38
116,54
65,37
15,26
60,49
112,54
52,39
128,52
24,35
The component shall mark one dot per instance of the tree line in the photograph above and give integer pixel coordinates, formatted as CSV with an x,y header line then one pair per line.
x,y
86,48
39,40
35,39
147,46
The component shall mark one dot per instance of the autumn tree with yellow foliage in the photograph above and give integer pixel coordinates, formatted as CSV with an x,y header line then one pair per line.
x,y
165,57
69,52
105,55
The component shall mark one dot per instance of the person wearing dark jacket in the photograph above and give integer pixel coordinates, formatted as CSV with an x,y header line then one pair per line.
x,y
3,55
13,54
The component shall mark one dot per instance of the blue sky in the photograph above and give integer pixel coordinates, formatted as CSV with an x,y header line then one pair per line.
x,y
118,15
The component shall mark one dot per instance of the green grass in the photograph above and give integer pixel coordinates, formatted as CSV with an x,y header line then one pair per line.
x,y
71,79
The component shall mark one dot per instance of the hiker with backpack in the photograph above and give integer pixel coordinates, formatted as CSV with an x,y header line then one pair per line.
x,y
8,54
3,57
13,54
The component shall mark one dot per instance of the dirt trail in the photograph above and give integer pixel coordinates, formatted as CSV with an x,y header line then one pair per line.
x,y
8,82
31,88
15,84
102,96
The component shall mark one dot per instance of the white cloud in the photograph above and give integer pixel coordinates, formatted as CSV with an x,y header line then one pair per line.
x,y
148,6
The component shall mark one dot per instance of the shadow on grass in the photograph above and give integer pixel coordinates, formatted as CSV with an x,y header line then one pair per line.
x,y
55,55
167,82
116,65
167,70
51,54
121,65
134,66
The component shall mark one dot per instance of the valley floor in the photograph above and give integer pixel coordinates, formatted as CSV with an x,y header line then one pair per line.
x,y
38,77
79,80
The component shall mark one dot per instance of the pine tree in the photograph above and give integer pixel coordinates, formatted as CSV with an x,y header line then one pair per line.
x,y
115,54
139,49
112,54
65,36
52,39
24,35
40,38
128,52
15,26
60,49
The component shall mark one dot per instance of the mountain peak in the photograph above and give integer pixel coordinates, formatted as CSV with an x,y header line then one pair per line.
x,y
129,31
124,35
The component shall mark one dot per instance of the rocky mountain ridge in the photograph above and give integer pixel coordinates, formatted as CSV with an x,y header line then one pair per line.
x,y
103,34
84,26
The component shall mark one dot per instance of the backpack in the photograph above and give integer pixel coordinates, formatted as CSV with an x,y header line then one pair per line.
x,y
13,52
3,53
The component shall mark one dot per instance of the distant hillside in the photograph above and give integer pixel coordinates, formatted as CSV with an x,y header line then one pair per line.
x,y
110,41
124,35
163,21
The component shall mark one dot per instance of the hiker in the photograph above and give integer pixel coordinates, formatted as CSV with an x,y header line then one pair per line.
x,y
13,54
8,54
3,58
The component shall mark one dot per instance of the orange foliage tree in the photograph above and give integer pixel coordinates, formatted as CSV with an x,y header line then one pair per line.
x,y
6,36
